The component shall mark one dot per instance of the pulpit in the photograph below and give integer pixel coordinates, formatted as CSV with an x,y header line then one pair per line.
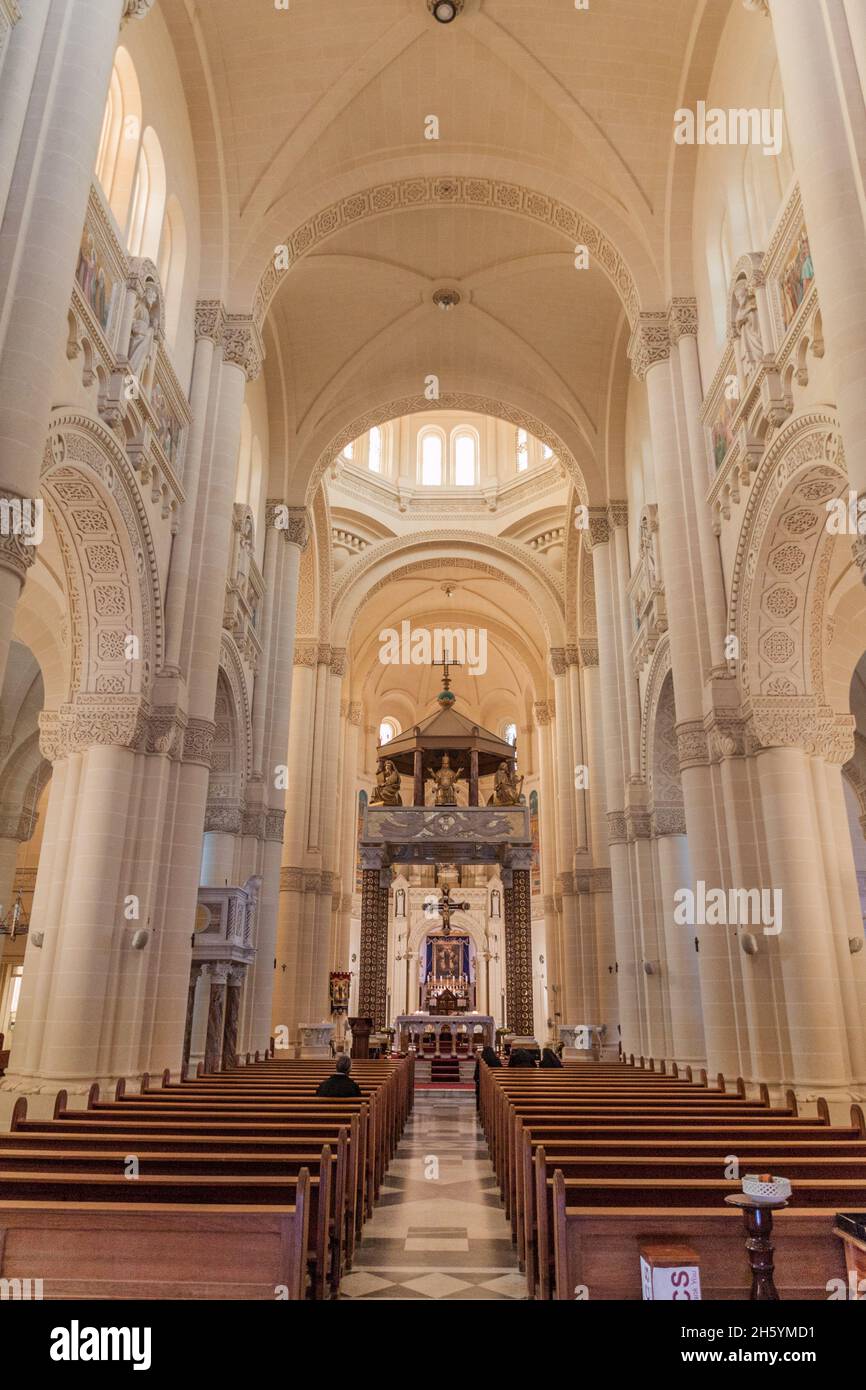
x,y
361,1030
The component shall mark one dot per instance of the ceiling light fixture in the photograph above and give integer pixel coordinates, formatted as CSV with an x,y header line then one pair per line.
x,y
445,10
446,299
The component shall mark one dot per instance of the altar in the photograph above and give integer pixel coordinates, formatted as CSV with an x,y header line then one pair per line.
x,y
481,1030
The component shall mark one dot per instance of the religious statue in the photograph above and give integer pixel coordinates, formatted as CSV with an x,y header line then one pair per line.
x,y
387,789
446,780
746,326
145,321
507,787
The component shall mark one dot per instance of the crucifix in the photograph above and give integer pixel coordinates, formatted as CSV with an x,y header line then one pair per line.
x,y
445,907
446,663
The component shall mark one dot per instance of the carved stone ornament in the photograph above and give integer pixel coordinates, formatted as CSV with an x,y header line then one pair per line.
x,y
650,342
668,820
242,345
136,9
558,661
617,513
275,823
292,523
617,828
757,7
210,320
692,745
16,555
338,661
682,319
588,651
598,532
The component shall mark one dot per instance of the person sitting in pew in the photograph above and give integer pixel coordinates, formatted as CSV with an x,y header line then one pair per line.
x,y
549,1058
341,1083
520,1057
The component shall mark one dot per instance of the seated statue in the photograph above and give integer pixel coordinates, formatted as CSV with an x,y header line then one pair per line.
x,y
446,780
387,789
506,787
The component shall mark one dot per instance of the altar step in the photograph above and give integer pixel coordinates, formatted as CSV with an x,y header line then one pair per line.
x,y
444,1070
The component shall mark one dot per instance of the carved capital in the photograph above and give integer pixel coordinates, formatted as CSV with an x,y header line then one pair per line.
x,y
588,651
136,9
275,824
226,819
558,661
682,319
291,522
692,745
353,713
16,555
338,661
306,653
598,531
542,713
198,742
668,820
859,549
210,320
242,345
617,828
650,342
617,513
800,722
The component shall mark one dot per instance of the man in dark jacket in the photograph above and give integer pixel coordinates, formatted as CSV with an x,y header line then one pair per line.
x,y
341,1083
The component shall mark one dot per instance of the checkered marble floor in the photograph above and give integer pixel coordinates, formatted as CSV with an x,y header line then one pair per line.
x,y
438,1230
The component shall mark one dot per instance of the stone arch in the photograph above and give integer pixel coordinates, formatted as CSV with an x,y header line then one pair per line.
x,y
659,670
447,401
109,561
232,682
779,587
446,190
543,589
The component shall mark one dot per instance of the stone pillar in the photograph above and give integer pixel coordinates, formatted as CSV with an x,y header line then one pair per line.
x,y
810,974
649,350
194,977
271,719
21,34
683,985
373,964
569,943
66,86
818,47
217,976
234,985
290,912
518,950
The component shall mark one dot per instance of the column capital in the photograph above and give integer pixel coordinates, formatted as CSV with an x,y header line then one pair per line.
x,y
572,654
598,530
338,661
542,713
353,713
588,651
136,9
617,513
682,318
16,555
668,820
558,661
242,344
210,320
757,7
650,342
293,523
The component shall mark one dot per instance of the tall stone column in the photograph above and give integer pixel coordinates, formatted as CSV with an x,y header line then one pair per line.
x,y
21,34
683,986
817,46
569,952
649,351
44,214
616,771
271,720
518,950
213,1051
290,913
542,711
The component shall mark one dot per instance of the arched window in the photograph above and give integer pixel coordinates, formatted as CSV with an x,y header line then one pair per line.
x,y
121,137
546,452
349,451
388,729
172,264
148,199
431,458
522,451
465,459
509,733
374,456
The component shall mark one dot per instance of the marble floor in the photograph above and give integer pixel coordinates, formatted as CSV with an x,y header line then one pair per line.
x,y
438,1230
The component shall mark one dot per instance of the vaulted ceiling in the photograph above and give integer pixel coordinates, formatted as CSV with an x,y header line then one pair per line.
x,y
554,129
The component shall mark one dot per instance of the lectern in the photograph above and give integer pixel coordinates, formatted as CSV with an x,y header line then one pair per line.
x,y
361,1030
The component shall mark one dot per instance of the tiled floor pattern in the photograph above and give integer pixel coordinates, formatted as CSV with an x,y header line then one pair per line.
x,y
438,1230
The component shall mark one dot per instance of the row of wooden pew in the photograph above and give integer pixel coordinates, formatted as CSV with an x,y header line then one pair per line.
x,y
595,1160
238,1185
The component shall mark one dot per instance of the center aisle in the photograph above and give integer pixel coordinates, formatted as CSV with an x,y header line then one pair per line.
x,y
438,1230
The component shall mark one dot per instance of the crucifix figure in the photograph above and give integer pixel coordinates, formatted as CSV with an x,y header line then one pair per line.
x,y
445,907
446,663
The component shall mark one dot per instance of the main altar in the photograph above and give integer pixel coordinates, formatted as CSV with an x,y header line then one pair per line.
x,y
478,1029
443,750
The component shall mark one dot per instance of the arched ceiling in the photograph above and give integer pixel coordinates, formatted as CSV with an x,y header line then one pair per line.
x,y
555,128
